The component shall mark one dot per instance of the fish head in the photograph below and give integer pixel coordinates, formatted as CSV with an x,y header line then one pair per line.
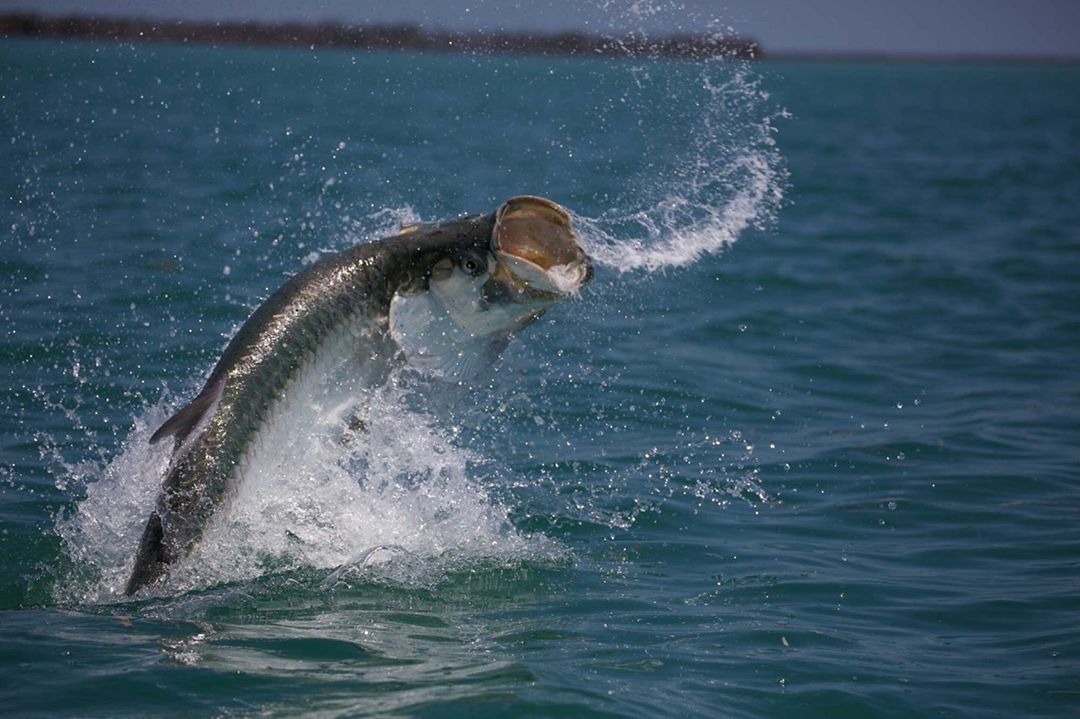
x,y
474,298
538,257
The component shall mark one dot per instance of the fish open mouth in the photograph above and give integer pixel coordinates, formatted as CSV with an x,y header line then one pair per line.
x,y
537,248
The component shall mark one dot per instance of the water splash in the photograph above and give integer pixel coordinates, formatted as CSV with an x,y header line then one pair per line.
x,y
394,483
391,493
101,532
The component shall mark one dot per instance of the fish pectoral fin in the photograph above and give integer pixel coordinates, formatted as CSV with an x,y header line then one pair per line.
x,y
187,419
463,361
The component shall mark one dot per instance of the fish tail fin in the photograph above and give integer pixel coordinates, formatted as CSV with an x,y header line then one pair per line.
x,y
151,561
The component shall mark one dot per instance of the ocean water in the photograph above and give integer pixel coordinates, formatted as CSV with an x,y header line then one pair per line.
x,y
807,446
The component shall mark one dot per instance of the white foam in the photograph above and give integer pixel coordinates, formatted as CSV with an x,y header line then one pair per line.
x,y
312,495
101,534
566,279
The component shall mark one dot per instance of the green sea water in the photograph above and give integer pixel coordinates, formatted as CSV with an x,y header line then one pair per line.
x,y
807,446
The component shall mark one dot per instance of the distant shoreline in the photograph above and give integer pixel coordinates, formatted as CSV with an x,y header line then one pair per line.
x,y
375,37
915,58
417,39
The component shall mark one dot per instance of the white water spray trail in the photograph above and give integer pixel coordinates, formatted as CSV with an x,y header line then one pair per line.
x,y
730,177
671,241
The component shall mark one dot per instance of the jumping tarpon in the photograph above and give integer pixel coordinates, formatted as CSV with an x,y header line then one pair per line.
x,y
443,297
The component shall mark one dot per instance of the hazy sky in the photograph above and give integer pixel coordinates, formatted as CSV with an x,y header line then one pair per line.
x,y
1027,27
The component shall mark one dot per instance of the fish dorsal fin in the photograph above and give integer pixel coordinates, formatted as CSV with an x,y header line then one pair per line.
x,y
187,419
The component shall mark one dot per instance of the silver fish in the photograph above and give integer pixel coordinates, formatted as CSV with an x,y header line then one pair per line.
x,y
444,297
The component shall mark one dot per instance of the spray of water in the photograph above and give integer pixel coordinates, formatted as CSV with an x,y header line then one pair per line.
x,y
729,175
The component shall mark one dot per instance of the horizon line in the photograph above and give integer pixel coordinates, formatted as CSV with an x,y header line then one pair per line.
x,y
408,36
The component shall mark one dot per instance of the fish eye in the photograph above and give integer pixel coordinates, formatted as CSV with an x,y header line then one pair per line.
x,y
473,265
